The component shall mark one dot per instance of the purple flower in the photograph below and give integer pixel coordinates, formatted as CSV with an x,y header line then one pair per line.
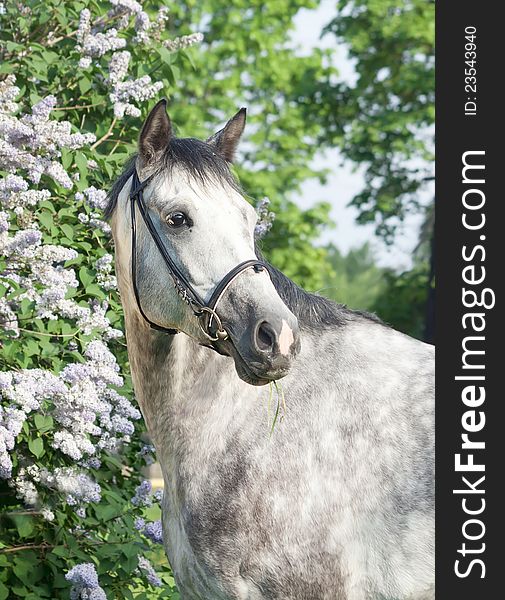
x,y
150,574
85,584
265,218
96,198
83,575
146,452
75,372
154,532
43,108
142,494
122,425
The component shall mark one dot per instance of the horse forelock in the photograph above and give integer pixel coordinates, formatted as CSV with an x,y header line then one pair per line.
x,y
197,159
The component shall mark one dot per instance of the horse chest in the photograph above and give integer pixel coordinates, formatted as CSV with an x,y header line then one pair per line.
x,y
264,520
251,527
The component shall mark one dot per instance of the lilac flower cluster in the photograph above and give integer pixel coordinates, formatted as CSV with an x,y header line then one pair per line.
x,y
183,41
14,193
152,531
104,277
8,94
83,415
85,585
159,25
77,486
145,28
148,571
40,270
147,453
90,417
8,320
29,145
128,6
94,41
32,142
265,218
24,393
95,199
94,44
124,91
142,495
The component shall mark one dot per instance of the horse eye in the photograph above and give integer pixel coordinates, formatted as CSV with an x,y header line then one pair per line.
x,y
177,219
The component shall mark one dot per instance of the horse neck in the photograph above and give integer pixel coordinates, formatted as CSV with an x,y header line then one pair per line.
x,y
157,371
180,386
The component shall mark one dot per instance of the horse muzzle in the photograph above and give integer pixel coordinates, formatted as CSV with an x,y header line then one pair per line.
x,y
266,350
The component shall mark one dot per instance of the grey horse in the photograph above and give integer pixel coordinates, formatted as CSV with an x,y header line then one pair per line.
x,y
335,501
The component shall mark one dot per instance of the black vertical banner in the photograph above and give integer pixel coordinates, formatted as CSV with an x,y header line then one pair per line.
x,y
470,254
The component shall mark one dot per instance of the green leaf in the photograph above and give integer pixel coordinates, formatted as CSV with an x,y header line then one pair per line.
x,y
84,85
81,161
48,205
68,231
46,219
86,246
106,513
95,290
4,592
36,446
31,348
61,551
165,55
86,276
24,525
43,422
27,305
130,550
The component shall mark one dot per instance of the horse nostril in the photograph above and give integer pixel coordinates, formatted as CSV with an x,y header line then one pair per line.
x,y
265,337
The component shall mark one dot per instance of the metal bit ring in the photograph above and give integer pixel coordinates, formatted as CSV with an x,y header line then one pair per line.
x,y
221,333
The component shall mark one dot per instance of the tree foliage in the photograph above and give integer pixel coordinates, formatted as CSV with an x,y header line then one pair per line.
x,y
384,117
245,59
356,280
399,299
402,301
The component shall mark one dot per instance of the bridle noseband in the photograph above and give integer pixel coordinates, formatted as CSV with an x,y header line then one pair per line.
x,y
208,319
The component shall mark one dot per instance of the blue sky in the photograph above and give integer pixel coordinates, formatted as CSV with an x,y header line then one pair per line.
x,y
344,182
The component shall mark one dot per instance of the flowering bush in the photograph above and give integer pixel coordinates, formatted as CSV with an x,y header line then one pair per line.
x,y
77,520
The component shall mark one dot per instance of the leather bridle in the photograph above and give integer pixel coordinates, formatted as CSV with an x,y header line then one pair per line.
x,y
208,319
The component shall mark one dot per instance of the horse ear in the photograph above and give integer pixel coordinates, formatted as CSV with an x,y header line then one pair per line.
x,y
226,140
155,134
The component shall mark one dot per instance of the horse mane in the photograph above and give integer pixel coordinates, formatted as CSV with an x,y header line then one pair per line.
x,y
312,310
203,164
